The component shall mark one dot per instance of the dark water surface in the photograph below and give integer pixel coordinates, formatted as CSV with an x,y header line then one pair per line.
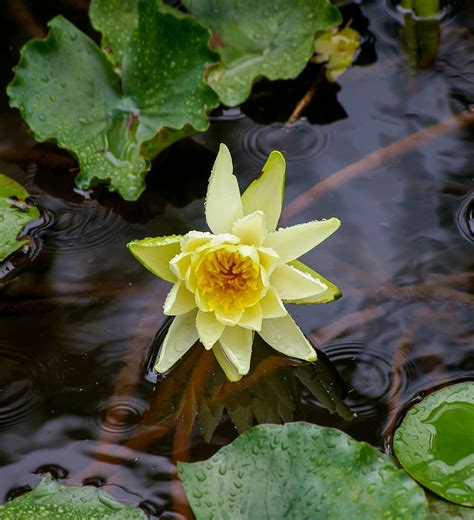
x,y
83,308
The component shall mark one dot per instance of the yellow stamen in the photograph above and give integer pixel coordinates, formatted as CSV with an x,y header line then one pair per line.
x,y
228,280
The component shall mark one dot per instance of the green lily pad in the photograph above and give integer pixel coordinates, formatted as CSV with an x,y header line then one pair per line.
x,y
269,38
300,471
435,443
67,91
15,213
51,501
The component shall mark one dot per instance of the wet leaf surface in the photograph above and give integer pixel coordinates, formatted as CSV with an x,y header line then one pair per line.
x,y
67,91
271,39
442,510
56,502
332,476
15,213
435,442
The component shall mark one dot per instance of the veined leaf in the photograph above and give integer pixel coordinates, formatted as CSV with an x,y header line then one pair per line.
x,y
268,38
15,213
51,501
67,91
300,471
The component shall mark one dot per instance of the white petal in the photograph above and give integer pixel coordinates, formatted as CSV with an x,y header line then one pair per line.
x,y
266,192
292,284
229,318
209,329
179,300
285,336
252,317
236,343
294,241
223,204
229,369
195,239
329,295
181,336
156,253
268,259
251,228
272,306
179,265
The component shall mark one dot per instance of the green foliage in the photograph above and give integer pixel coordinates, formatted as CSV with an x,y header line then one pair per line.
x,y
337,49
51,501
442,510
300,471
268,38
67,91
15,213
435,442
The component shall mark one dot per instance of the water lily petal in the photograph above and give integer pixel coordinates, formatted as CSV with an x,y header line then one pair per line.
x,y
290,283
179,300
330,294
284,335
272,306
181,336
236,343
230,370
179,265
209,329
266,192
155,254
269,260
294,241
223,204
229,318
251,228
252,317
195,239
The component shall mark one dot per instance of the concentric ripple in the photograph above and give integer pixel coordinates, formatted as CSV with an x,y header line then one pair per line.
x,y
119,416
26,381
299,141
368,371
86,227
465,218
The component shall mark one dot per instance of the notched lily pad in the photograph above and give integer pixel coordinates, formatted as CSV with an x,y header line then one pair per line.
x,y
52,501
15,214
435,443
302,471
67,91
270,38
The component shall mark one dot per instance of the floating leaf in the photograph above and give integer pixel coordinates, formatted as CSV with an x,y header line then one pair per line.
x,y
15,213
67,90
269,38
338,49
435,442
116,20
51,501
300,471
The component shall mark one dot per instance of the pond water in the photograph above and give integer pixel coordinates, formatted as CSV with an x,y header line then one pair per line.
x,y
78,321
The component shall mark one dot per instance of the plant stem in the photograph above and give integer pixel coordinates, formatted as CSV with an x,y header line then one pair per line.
x,y
306,99
376,159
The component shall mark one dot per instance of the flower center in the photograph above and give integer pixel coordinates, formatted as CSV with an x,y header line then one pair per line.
x,y
226,280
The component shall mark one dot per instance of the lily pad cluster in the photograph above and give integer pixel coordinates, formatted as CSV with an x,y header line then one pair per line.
x,y
155,77
15,213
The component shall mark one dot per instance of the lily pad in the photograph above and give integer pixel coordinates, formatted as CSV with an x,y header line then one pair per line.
x,y
302,471
439,509
67,91
53,501
435,443
270,38
15,213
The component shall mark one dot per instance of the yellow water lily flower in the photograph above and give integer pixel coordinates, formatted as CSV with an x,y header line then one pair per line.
x,y
234,282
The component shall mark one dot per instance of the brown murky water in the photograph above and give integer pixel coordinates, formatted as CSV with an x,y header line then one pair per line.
x,y
77,322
